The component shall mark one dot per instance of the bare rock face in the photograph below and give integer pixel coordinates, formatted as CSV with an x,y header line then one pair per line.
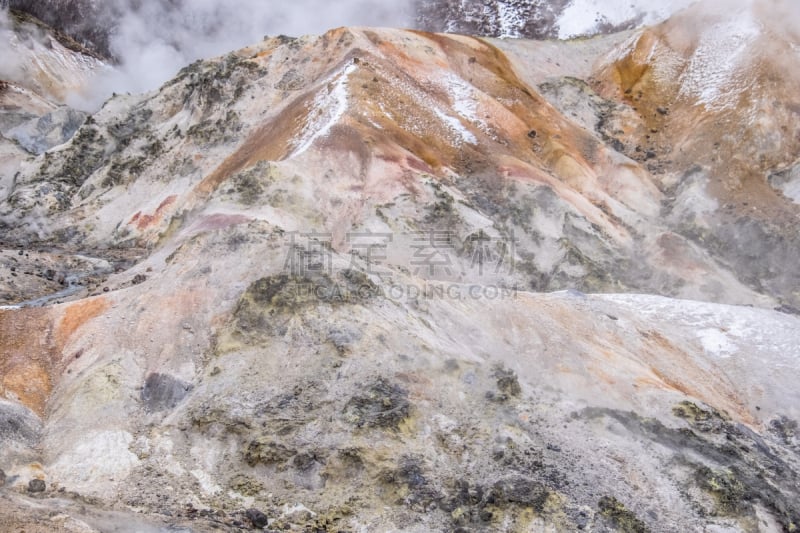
x,y
392,280
36,486
162,392
42,133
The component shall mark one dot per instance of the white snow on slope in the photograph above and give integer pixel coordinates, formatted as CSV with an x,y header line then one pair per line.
x,y
328,108
456,127
713,76
451,117
724,331
465,100
332,104
582,16
509,20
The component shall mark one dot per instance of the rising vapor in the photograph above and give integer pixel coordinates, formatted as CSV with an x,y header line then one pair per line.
x,y
153,40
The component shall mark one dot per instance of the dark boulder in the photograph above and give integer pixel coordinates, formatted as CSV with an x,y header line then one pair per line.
x,y
162,392
257,518
36,486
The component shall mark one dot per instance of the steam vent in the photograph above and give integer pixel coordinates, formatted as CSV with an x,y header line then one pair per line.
x,y
451,266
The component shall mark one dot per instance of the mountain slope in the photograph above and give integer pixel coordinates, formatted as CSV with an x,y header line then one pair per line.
x,y
308,278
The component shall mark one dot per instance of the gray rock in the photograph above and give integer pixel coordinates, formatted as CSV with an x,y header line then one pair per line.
x,y
343,337
36,486
788,182
257,518
162,392
11,119
17,425
383,404
40,134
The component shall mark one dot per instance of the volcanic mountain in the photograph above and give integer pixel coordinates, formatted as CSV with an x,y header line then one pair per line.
x,y
384,279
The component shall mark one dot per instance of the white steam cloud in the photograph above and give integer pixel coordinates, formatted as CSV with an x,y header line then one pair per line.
x,y
10,64
155,39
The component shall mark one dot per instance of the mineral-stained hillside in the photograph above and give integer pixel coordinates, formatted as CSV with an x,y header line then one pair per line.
x,y
392,280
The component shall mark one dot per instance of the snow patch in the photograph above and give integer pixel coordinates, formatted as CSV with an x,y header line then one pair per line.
x,y
510,20
450,118
670,64
716,342
713,76
326,110
582,17
724,331
456,126
465,100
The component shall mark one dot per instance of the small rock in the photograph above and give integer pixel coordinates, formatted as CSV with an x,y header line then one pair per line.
x,y
507,382
139,278
258,518
2,478
582,520
383,404
532,134
36,485
162,392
